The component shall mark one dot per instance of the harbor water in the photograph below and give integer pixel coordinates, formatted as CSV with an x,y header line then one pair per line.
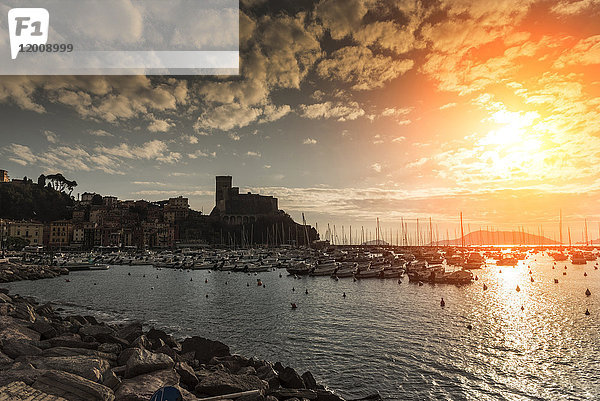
x,y
497,344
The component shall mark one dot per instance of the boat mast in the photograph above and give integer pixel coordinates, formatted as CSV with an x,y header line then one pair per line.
x,y
462,234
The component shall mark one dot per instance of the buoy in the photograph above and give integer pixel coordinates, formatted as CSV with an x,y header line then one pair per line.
x,y
129,274
144,275
67,280
95,283
555,281
344,295
469,327
500,271
191,279
564,273
306,292
264,286
280,276
226,283
565,267
442,303
587,312
587,292
476,278
354,279
156,276
518,289
532,279
484,287
522,307
151,288
584,274
205,280
552,267
530,272
294,306
293,289
399,281
247,284
420,283
206,295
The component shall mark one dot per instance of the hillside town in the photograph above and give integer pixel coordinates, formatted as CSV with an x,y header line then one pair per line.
x,y
98,221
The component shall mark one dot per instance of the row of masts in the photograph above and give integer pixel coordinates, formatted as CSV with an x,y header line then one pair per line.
x,y
428,234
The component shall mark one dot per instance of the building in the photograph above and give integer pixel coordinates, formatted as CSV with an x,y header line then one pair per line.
x,y
236,208
110,201
31,231
176,209
60,234
4,176
86,198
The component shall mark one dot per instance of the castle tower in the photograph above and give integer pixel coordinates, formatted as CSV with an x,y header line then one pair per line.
x,y
224,183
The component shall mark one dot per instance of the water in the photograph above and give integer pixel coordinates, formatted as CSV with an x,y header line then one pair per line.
x,y
384,336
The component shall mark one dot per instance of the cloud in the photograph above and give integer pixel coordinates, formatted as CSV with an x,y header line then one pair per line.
x,y
227,117
447,106
253,154
160,125
50,136
149,183
376,167
340,111
100,133
361,68
309,141
234,137
399,139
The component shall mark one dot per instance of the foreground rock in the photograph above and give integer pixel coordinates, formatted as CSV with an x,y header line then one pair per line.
x,y
17,272
77,358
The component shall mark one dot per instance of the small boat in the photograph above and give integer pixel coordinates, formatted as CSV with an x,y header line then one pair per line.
x,y
588,292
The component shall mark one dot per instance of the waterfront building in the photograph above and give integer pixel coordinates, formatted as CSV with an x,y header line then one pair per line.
x,y
86,198
31,231
60,234
110,201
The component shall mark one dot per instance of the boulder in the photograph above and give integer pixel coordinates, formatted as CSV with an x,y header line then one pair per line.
x,y
71,341
142,361
232,363
24,311
29,375
309,380
64,351
268,374
72,387
111,380
110,348
286,393
142,342
221,383
165,349
5,361
188,377
125,355
95,331
5,299
247,370
154,335
46,330
204,349
131,331
290,378
141,388
325,395
11,329
90,368
17,348
45,310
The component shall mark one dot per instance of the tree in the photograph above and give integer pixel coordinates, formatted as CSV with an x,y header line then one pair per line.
x,y
97,200
16,243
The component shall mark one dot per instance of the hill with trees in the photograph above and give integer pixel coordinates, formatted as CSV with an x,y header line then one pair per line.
x,y
26,200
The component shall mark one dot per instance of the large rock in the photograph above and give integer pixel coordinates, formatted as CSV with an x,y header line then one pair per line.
x,y
29,375
90,368
232,363
19,391
130,331
142,361
5,361
71,341
12,329
188,377
46,330
204,349
286,393
96,331
290,378
17,348
64,351
309,380
268,374
325,395
141,388
221,383
72,387
154,335
24,311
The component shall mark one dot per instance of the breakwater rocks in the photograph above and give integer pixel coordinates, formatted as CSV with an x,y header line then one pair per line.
x,y
77,358
17,272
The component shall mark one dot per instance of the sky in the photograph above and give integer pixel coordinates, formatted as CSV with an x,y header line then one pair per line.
x,y
348,111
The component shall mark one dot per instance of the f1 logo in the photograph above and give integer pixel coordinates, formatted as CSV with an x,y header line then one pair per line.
x,y
28,26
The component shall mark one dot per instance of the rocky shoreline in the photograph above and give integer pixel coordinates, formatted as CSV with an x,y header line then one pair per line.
x,y
47,356
16,272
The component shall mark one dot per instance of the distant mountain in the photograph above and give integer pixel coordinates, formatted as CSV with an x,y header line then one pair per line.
x,y
375,242
484,237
